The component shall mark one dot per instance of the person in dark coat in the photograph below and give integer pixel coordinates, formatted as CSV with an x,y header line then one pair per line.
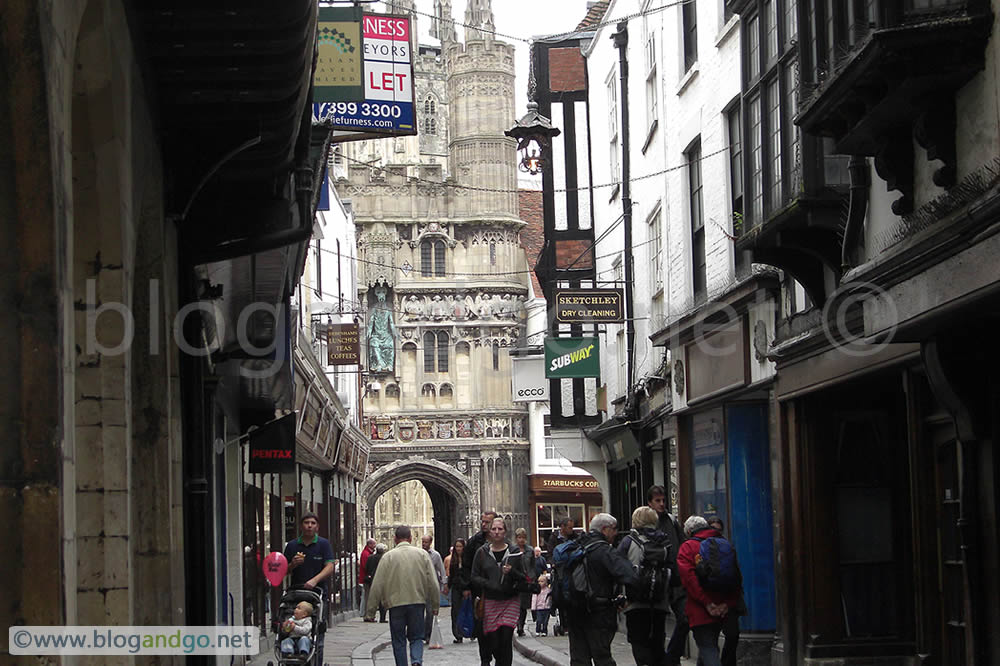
x,y
371,566
458,584
645,622
707,610
593,625
730,629
521,543
656,499
472,546
497,570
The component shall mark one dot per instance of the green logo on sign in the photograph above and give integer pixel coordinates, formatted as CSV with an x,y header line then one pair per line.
x,y
567,358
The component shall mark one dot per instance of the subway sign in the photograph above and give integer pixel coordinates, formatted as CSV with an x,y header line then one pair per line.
x,y
570,358
590,306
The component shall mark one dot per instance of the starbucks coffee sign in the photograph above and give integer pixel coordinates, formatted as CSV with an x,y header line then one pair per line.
x,y
569,358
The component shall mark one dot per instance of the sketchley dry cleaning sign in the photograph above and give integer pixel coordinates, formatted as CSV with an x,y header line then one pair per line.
x,y
584,306
567,358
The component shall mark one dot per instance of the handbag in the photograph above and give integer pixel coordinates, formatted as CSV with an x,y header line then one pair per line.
x,y
480,608
467,618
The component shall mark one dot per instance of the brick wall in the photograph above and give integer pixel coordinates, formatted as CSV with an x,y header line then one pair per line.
x,y
533,235
566,70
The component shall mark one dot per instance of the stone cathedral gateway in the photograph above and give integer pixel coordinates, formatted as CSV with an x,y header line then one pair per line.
x,y
442,284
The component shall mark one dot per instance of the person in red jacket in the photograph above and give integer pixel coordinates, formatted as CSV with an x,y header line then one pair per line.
x,y
366,587
707,610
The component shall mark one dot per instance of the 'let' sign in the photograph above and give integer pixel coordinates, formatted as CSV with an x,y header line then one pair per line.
x,y
387,107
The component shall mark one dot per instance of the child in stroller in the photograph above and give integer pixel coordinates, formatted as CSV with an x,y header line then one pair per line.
x,y
298,625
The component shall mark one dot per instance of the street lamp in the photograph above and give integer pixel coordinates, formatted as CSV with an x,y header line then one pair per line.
x,y
533,132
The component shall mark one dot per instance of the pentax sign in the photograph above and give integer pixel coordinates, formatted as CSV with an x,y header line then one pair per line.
x,y
590,306
387,107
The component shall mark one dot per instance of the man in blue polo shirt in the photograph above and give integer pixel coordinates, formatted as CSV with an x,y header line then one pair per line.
x,y
310,563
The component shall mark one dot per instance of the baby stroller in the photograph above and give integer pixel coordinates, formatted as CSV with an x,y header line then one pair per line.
x,y
289,600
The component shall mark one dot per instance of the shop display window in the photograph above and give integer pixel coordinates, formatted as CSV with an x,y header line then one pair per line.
x,y
708,449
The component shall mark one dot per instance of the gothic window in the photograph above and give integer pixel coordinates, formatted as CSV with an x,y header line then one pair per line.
x,y
435,351
493,253
442,351
432,258
496,356
430,115
392,392
427,391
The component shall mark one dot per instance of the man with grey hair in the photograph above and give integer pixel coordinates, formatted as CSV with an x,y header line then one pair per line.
x,y
593,625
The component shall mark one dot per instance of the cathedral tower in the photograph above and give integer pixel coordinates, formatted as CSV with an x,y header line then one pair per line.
x,y
481,94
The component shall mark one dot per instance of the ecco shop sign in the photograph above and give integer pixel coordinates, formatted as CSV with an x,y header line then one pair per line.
x,y
569,358
527,380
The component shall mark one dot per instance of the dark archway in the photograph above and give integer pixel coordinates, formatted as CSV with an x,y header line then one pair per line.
x,y
451,494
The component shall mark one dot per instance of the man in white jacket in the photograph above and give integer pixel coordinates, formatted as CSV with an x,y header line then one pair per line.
x,y
405,583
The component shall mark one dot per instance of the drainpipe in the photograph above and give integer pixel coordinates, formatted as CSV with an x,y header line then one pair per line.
x,y
858,170
620,39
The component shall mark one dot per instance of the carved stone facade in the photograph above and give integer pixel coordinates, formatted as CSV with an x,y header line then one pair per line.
x,y
437,221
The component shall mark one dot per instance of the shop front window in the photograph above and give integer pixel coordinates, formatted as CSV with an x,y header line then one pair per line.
x,y
548,517
708,455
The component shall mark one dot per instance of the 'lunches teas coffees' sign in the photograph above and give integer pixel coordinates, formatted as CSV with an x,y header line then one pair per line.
x,y
567,358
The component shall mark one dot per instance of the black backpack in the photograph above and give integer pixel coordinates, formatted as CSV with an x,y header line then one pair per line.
x,y
653,573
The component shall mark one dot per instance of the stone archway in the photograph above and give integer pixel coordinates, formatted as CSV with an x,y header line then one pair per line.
x,y
451,492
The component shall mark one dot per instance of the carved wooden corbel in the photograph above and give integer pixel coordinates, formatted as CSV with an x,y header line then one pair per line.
x,y
894,164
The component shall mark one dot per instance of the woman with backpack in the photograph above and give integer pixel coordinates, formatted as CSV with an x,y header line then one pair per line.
x,y
648,549
711,576
458,583
496,570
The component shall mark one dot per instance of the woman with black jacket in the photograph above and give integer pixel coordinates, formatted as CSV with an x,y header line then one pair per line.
x,y
497,571
458,583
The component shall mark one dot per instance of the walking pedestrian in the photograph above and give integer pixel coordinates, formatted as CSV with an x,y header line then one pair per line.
x,y
541,606
371,566
474,543
521,542
442,578
458,584
594,622
310,563
713,594
367,552
647,549
405,583
495,569
730,627
656,498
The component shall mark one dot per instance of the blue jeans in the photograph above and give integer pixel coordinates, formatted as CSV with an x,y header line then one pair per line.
x,y
291,645
542,621
406,623
706,637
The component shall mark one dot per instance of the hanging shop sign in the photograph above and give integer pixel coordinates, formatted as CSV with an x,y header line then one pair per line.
x,y
339,75
568,358
272,447
590,306
528,382
385,106
343,346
